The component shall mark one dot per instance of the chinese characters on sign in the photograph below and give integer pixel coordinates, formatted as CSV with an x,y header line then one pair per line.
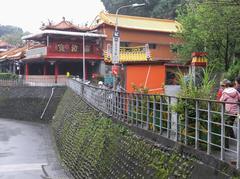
x,y
74,48
60,48
71,48
116,47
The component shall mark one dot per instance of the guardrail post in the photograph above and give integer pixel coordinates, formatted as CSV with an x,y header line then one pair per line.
x,y
161,115
222,132
186,124
137,105
197,124
121,98
114,104
148,106
142,103
117,104
169,117
238,141
132,108
209,139
104,101
128,107
111,103
125,106
154,113
177,125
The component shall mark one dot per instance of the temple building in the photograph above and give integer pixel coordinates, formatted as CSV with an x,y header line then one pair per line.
x,y
11,60
61,48
146,57
138,35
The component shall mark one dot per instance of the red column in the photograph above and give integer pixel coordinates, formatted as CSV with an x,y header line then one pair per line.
x,y
56,72
26,70
45,69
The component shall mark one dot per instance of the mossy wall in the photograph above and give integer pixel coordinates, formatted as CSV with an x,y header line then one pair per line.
x,y
92,146
28,103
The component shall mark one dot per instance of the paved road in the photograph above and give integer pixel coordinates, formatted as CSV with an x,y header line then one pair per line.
x,y
26,151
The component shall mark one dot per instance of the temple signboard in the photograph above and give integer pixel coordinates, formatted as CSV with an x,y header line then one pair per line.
x,y
69,48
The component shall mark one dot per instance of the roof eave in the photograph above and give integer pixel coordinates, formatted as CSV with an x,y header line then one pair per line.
x,y
140,29
58,32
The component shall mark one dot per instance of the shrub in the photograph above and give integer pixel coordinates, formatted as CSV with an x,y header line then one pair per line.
x,y
187,102
8,76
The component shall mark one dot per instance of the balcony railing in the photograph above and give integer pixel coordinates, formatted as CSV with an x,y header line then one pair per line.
x,y
36,52
36,80
51,51
129,54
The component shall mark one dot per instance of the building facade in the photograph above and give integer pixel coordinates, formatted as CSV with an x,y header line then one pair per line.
x,y
135,33
146,59
63,48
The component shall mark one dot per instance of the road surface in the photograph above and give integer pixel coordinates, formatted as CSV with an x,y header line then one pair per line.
x,y
27,152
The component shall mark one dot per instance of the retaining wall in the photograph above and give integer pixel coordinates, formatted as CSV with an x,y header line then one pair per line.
x,y
93,146
28,103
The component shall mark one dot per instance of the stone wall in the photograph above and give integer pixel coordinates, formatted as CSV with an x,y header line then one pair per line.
x,y
92,146
28,103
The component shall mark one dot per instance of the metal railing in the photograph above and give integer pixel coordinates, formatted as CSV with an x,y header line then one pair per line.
x,y
202,124
35,80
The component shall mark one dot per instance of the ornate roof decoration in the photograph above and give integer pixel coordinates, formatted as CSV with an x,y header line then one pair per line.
x,y
64,25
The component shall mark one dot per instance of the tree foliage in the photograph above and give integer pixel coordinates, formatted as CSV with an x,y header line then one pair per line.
x,y
12,34
153,8
211,26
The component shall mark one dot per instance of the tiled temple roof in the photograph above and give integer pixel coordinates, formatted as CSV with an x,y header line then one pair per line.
x,y
64,25
139,23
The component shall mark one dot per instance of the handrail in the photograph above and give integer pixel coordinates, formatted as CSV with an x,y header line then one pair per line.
x,y
47,103
199,125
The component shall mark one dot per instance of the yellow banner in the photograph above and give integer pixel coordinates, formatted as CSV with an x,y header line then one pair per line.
x,y
199,60
130,54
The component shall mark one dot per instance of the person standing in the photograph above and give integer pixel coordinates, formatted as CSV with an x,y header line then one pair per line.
x,y
231,97
237,83
222,87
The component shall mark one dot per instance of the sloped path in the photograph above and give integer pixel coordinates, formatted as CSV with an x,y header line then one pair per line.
x,y
27,152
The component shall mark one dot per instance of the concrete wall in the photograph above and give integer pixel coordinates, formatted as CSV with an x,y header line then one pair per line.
x,y
28,103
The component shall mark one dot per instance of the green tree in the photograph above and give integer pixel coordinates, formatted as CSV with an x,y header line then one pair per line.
x,y
211,26
8,29
153,8
12,34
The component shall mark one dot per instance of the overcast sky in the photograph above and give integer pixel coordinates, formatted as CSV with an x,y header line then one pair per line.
x,y
28,14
